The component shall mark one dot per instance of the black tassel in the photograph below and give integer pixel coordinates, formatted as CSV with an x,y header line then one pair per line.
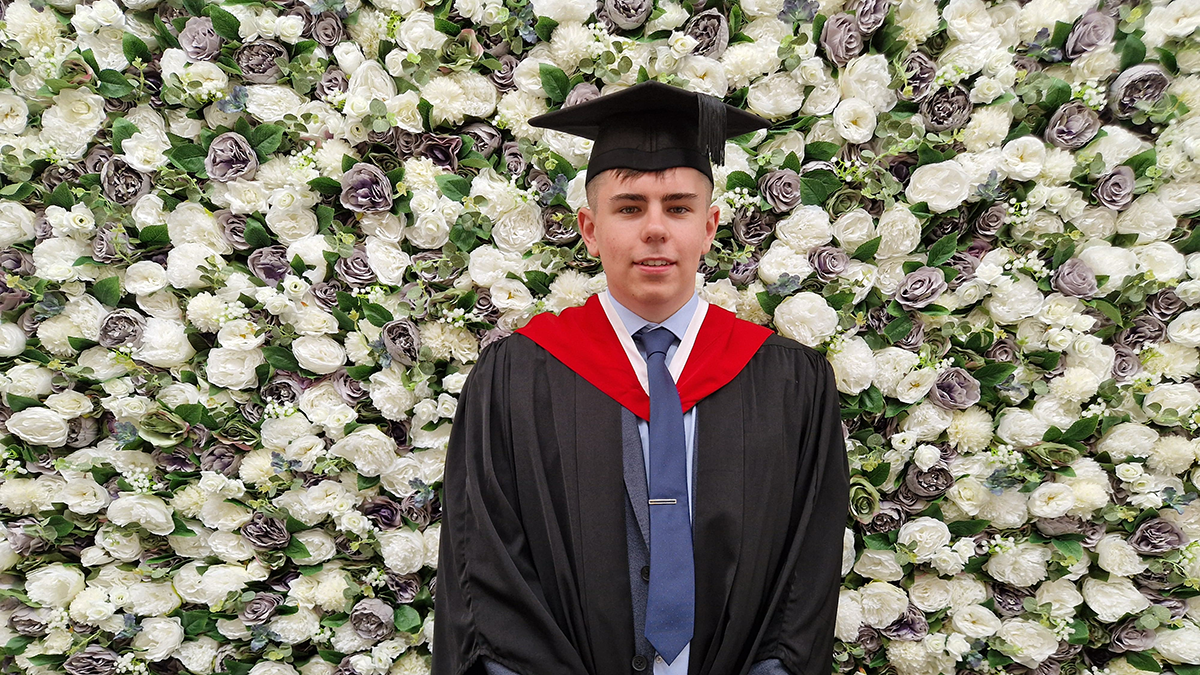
x,y
711,131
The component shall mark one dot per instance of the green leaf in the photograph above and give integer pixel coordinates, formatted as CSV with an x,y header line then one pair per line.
x,y
1133,52
993,374
19,403
820,151
817,185
899,329
325,185
879,474
376,314
154,235
447,27
407,619
768,302
554,82
181,528
188,157
545,27
942,249
113,84
122,129
1140,660
134,48
108,290
966,528
225,24
455,187
296,549
1082,429
867,249
740,179
266,138
1107,309
61,196
281,358
256,235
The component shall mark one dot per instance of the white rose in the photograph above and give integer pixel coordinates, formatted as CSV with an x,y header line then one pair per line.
x,y
387,261
1061,595
805,228
1051,500
975,621
320,354
151,512
84,495
16,223
867,78
1116,556
1148,217
39,426
880,565
1180,645
1181,398
853,365
233,368
1022,158
924,536
403,550
775,96
943,186
899,232
53,585
849,615
882,603
929,593
159,636
164,344
782,259
854,120
1027,642
1185,329
806,318
1022,565
1113,599
370,450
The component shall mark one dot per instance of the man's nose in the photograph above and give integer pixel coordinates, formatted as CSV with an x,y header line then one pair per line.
x,y
655,226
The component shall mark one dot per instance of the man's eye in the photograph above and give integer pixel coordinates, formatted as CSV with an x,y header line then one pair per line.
x,y
680,209
628,209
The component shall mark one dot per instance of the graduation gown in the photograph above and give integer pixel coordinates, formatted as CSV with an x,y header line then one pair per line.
x,y
533,563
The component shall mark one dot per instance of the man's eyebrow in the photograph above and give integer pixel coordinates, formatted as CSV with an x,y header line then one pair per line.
x,y
636,197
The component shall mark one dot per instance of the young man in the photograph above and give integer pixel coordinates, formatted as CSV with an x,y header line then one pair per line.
x,y
645,483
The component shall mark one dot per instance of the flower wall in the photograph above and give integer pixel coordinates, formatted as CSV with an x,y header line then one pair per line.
x,y
251,250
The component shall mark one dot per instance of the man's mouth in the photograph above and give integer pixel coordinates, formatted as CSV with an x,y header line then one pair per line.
x,y
655,263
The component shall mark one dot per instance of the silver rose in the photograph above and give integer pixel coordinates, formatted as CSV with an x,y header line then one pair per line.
x,y
919,70
1072,126
365,188
1075,278
955,389
1156,536
230,157
781,189
1115,189
711,30
257,61
1089,32
266,533
199,41
402,341
870,14
260,608
921,287
122,183
628,14
373,619
1143,83
93,659
946,109
841,39
122,328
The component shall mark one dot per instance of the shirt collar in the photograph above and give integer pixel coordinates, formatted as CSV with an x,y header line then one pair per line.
x,y
677,323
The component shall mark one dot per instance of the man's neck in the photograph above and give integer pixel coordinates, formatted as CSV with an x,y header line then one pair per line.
x,y
653,314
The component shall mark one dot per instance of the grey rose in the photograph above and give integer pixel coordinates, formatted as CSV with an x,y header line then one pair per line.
x,y
282,389
1156,536
928,484
402,341
257,61
328,30
107,242
628,14
919,70
1165,304
270,263
955,389
1115,189
96,157
233,228
199,41
91,660
503,77
751,226
332,82
30,621
828,262
1010,600
710,28
373,619
870,14
383,511
405,586
841,39
365,188
558,224
581,93
350,389
988,223
16,261
1143,83
1092,30
745,271
1145,329
122,183
355,269
1072,126
781,189
230,157
911,626
1055,527
921,287
1129,638
260,608
224,459
1075,278
1126,364
947,108
486,138
441,149
266,533
122,328
888,516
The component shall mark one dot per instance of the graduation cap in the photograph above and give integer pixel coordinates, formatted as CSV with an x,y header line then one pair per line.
x,y
652,126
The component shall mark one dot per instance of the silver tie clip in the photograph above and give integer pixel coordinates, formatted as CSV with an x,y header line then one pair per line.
x,y
662,501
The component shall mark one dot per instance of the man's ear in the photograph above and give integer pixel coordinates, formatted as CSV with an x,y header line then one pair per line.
x,y
710,225
587,230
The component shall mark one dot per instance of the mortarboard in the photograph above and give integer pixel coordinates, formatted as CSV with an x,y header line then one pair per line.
x,y
653,126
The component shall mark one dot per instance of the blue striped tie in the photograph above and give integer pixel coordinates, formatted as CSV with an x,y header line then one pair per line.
x,y
670,607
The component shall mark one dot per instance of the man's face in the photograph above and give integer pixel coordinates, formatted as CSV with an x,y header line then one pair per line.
x,y
650,232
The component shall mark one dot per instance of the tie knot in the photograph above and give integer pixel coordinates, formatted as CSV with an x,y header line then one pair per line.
x,y
656,341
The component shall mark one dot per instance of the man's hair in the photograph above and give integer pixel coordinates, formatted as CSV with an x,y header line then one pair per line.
x,y
630,174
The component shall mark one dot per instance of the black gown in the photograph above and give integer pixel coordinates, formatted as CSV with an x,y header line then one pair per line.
x,y
533,569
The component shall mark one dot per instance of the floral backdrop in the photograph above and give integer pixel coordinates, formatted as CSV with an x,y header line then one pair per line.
x,y
251,250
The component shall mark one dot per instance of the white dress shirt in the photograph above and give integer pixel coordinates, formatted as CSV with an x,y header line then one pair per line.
x,y
678,324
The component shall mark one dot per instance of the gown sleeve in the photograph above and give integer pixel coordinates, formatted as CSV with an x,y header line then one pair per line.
x,y
801,630
490,606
